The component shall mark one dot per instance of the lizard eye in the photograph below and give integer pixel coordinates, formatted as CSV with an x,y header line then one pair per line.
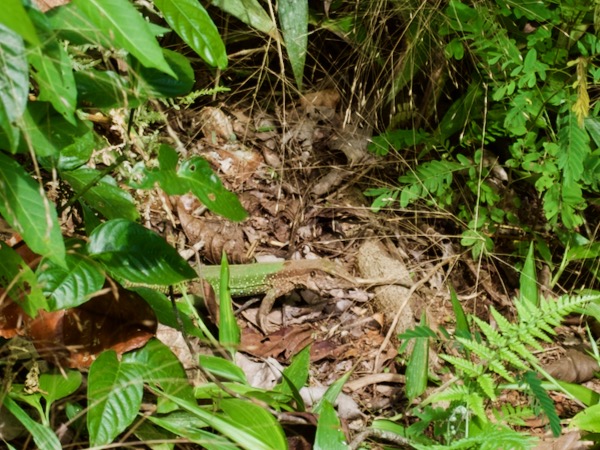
x,y
313,273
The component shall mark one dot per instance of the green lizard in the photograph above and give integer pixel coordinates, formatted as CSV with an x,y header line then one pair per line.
x,y
275,279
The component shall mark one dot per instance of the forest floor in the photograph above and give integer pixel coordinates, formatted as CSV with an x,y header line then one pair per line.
x,y
301,176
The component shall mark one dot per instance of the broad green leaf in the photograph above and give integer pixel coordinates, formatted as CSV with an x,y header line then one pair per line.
x,y
592,125
205,185
14,83
417,367
192,23
104,195
70,286
588,419
251,13
50,134
255,420
106,90
293,16
222,368
194,175
296,374
229,331
54,386
329,430
585,251
528,279
43,436
25,289
160,367
160,438
231,428
126,27
154,83
29,211
582,393
462,324
53,70
75,26
187,425
15,17
212,391
163,308
114,397
134,254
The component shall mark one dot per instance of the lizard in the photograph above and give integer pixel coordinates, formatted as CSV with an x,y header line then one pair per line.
x,y
275,279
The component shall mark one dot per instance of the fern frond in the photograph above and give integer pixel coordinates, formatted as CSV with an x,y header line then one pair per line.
x,y
487,385
523,352
457,392
462,394
471,369
504,325
433,178
513,415
508,356
574,144
505,439
497,366
534,334
493,337
479,349
493,439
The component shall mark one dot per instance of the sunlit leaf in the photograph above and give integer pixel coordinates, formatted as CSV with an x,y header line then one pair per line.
x,y
104,195
70,286
114,397
194,175
14,83
137,255
293,15
15,17
329,430
251,13
120,21
29,211
192,23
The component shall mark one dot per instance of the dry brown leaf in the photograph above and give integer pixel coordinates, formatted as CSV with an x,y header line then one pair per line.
x,y
45,5
217,235
118,319
236,163
568,441
284,342
215,124
328,98
574,367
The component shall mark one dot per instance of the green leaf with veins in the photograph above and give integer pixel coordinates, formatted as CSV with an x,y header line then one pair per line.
x,y
134,254
194,175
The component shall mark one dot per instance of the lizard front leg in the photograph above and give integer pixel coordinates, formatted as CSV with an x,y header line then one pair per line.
x,y
265,308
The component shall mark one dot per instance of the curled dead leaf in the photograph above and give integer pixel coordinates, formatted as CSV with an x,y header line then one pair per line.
x,y
218,236
574,367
